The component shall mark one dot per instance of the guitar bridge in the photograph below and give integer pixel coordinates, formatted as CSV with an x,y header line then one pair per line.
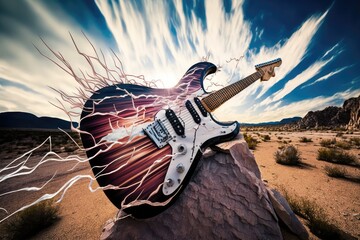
x,y
158,133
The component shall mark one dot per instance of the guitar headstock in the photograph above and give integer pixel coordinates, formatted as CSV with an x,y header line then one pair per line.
x,y
267,69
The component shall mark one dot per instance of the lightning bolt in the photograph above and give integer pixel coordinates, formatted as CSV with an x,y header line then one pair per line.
x,y
101,75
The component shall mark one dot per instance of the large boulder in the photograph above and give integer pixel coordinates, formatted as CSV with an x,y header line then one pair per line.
x,y
353,106
225,199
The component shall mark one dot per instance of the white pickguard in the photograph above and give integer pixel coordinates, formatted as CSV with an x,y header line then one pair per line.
x,y
184,149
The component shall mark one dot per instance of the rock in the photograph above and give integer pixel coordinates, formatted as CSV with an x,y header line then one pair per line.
x,y
354,105
225,199
346,116
321,118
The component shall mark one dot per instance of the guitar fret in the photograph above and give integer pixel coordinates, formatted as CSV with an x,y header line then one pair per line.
x,y
214,100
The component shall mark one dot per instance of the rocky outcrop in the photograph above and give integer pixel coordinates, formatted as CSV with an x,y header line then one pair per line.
x,y
323,118
226,199
353,106
346,116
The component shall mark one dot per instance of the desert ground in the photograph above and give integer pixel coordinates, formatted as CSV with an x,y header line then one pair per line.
x,y
83,213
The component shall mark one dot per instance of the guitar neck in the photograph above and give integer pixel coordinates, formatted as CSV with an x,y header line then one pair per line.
x,y
216,99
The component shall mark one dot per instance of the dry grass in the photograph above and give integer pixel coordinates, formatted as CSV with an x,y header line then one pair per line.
x,y
328,142
317,220
266,138
30,221
252,142
305,139
355,141
336,156
336,172
343,144
288,155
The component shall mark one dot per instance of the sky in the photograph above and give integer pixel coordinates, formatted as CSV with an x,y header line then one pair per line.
x,y
318,42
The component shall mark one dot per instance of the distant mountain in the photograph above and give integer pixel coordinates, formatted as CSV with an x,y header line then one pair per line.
x,y
347,116
275,123
28,120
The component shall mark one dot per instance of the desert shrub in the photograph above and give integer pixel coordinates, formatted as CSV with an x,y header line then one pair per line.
x,y
340,134
266,138
305,139
355,141
288,155
336,156
70,148
343,144
30,221
252,142
280,138
327,142
317,220
335,172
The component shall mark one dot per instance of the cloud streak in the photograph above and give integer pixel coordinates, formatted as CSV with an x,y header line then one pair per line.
x,y
160,40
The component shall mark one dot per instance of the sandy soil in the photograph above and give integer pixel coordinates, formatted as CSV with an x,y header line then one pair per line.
x,y
83,213
340,198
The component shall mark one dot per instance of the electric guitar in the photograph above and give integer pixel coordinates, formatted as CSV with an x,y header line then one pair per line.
x,y
144,143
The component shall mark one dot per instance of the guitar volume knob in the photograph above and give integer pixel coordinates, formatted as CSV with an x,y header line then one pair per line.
x,y
180,168
169,182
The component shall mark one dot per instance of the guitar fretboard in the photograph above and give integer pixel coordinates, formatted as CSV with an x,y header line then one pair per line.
x,y
216,99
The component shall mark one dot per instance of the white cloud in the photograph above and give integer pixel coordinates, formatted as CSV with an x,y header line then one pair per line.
x,y
299,108
21,63
147,33
145,44
325,77
292,84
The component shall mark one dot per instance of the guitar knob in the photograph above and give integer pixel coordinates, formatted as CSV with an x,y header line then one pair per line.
x,y
169,182
180,168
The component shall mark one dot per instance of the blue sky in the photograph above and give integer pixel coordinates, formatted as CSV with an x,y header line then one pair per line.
x,y
317,40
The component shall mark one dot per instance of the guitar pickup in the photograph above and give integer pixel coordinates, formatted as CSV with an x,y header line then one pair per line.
x,y
193,112
175,122
201,107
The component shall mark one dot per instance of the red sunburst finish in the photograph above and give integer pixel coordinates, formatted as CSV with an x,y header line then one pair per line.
x,y
134,168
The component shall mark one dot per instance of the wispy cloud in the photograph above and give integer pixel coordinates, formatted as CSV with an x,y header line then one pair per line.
x,y
159,41
325,77
292,84
298,108
146,41
292,51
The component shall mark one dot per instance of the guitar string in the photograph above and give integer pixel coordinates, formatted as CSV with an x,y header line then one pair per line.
x,y
215,100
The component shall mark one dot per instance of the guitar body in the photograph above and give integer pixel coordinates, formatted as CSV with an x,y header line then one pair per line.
x,y
131,164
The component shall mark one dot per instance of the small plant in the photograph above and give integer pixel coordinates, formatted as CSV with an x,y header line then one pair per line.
x,y
340,134
317,220
288,155
327,142
30,221
343,144
336,156
266,138
305,139
252,142
355,141
335,172
70,148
